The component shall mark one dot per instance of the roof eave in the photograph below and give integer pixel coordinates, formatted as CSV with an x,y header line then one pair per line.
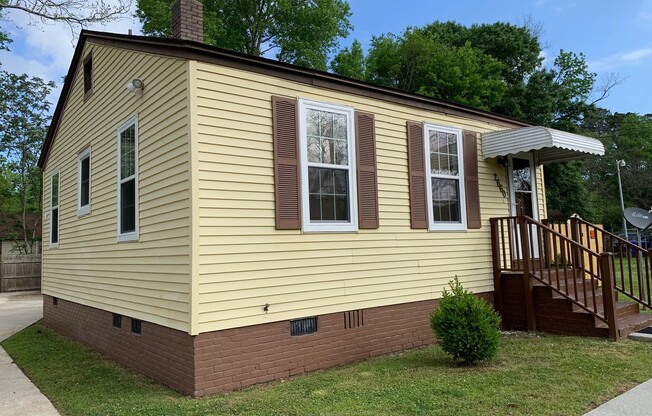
x,y
199,51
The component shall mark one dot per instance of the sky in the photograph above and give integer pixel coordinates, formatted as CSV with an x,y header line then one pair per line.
x,y
615,36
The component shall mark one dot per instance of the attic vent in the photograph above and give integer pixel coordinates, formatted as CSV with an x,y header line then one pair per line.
x,y
303,326
353,319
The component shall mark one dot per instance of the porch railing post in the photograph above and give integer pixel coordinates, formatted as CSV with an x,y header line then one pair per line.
x,y
609,294
495,257
524,230
576,235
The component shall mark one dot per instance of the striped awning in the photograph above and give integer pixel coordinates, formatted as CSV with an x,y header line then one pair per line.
x,y
550,145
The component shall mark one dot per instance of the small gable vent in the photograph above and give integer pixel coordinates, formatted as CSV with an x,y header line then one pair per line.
x,y
303,326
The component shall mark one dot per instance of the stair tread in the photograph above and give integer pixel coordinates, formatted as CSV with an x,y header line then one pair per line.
x,y
630,321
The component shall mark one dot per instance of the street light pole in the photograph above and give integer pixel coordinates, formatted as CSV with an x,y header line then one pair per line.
x,y
619,164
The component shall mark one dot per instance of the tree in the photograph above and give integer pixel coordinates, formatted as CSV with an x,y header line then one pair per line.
x,y
350,62
413,62
75,13
302,32
24,116
627,137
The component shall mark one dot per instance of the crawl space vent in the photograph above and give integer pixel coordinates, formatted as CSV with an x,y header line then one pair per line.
x,y
303,326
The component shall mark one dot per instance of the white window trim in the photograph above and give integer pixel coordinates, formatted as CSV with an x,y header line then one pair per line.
x,y
440,225
86,209
310,226
130,236
52,174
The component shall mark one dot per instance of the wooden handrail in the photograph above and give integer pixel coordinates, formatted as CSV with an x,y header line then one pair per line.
x,y
578,283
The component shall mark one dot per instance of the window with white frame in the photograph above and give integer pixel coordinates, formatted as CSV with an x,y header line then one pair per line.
x,y
327,167
54,209
84,182
128,180
444,163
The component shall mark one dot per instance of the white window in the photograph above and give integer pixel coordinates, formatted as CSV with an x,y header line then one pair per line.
x,y
128,180
54,209
328,175
84,182
444,164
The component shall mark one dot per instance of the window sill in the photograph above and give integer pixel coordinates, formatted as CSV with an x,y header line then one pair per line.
x,y
330,228
54,245
83,211
123,238
447,227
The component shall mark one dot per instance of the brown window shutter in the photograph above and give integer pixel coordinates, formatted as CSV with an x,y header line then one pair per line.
x,y
417,172
471,183
367,171
286,163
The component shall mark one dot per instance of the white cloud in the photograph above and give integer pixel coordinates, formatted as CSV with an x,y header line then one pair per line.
x,y
613,61
637,54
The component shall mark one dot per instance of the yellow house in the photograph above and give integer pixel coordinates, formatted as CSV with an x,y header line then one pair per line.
x,y
216,220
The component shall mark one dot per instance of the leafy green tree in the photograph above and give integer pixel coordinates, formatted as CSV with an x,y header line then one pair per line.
x,y
302,32
350,62
567,193
625,137
24,117
414,62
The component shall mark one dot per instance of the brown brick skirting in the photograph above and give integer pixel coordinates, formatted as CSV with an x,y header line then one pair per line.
x,y
226,360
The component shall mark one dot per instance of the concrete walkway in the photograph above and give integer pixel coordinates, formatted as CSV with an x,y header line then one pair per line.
x,y
18,396
635,402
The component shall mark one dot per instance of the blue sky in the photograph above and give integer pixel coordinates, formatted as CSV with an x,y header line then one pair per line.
x,y
615,36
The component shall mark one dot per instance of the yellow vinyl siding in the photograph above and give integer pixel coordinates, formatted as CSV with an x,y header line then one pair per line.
x,y
148,279
245,263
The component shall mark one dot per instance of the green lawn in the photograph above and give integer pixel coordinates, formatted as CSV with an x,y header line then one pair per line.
x,y
626,263
532,374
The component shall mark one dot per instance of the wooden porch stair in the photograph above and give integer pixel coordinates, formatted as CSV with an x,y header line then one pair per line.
x,y
547,281
555,314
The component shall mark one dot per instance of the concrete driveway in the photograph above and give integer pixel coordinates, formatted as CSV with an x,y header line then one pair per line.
x,y
18,396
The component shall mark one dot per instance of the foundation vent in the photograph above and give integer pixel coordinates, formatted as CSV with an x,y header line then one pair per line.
x,y
303,326
117,320
353,319
136,326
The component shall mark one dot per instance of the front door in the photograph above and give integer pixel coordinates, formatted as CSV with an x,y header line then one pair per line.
x,y
523,191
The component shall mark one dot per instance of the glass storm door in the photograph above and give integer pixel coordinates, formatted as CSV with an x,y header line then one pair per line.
x,y
523,192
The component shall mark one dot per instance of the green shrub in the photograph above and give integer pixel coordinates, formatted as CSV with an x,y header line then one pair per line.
x,y
466,326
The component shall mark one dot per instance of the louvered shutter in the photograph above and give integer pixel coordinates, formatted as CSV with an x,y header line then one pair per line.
x,y
286,164
417,179
471,183
367,171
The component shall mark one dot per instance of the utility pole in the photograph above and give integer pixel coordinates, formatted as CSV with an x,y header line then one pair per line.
x,y
619,164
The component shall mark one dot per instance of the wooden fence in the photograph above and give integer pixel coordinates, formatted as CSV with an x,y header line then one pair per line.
x,y
20,272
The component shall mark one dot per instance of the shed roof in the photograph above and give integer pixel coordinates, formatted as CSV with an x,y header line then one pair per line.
x,y
551,145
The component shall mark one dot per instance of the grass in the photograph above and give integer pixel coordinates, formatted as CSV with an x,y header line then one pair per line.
x,y
532,374
625,263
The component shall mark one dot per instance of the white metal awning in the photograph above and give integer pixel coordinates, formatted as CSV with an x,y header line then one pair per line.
x,y
551,145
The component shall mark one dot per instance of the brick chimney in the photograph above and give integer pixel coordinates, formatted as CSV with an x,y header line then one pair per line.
x,y
188,20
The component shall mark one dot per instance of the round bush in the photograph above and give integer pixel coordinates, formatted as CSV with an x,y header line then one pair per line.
x,y
466,326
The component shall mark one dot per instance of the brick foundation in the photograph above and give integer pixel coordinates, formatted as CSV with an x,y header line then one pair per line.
x,y
163,354
226,360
